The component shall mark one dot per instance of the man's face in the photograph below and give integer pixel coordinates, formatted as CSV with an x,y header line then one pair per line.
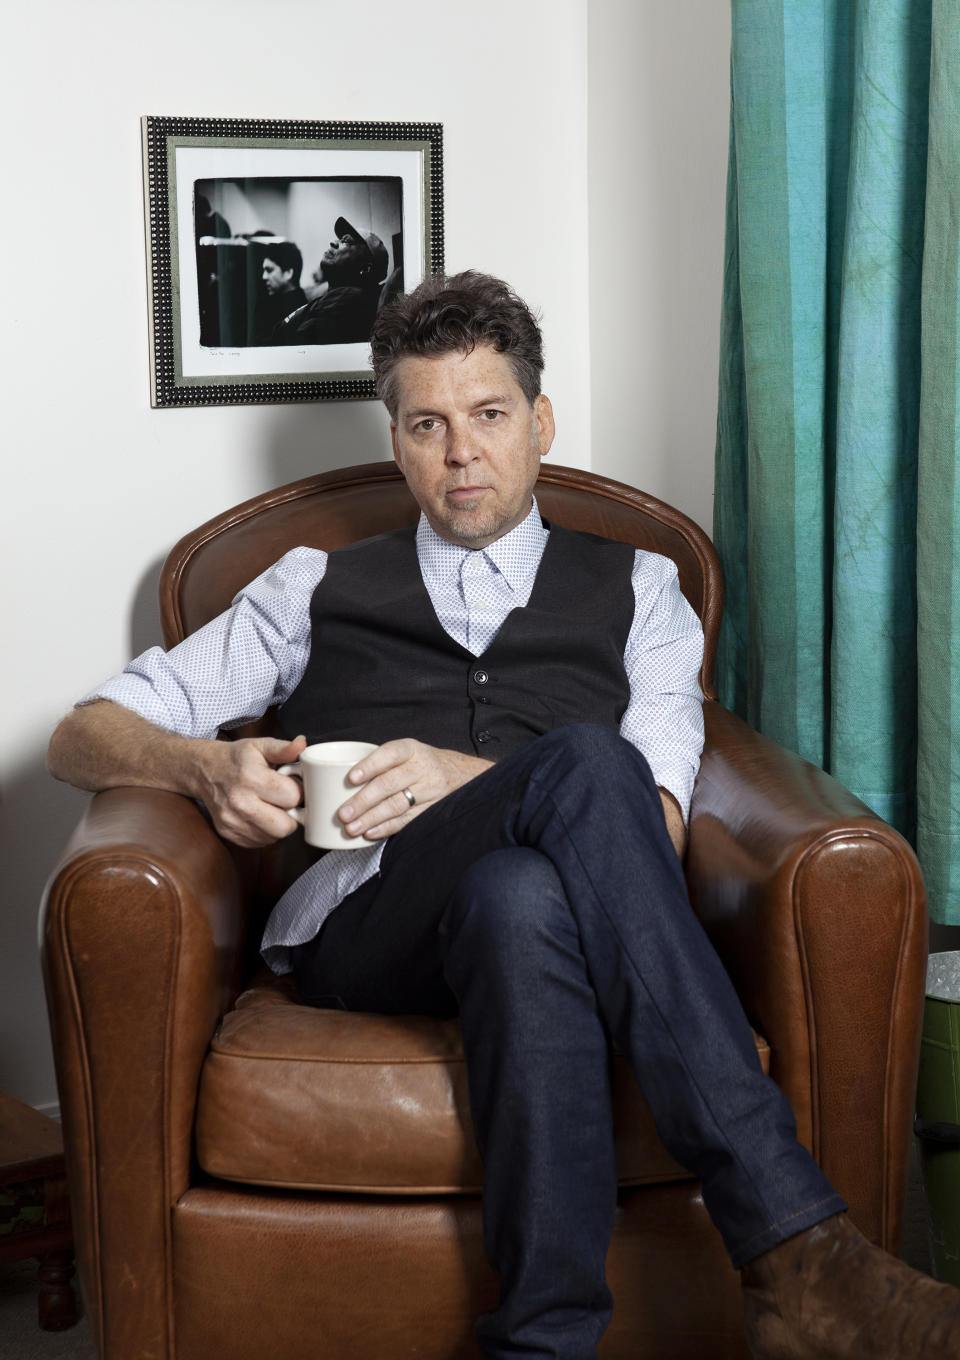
x,y
275,279
469,443
346,258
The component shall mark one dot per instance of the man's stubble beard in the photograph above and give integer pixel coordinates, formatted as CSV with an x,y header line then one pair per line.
x,y
478,528
472,531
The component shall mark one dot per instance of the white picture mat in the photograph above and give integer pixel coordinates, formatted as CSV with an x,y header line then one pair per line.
x,y
194,163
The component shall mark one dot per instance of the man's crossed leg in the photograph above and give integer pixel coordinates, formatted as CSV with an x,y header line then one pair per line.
x,y
545,903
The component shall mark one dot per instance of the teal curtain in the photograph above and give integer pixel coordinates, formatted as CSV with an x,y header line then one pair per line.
x,y
837,445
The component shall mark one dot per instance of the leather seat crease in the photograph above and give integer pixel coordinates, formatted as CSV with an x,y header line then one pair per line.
x,y
313,1099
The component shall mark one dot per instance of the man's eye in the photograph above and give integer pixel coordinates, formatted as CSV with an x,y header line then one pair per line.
x,y
425,425
491,415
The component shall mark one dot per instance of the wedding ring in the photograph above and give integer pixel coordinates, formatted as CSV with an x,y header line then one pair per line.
x,y
409,797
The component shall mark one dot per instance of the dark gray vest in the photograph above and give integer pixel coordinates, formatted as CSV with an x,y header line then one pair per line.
x,y
381,665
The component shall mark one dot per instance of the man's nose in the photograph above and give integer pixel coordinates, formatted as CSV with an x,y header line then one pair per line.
x,y
460,445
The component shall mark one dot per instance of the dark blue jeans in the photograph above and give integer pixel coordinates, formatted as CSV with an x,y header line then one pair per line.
x,y
545,903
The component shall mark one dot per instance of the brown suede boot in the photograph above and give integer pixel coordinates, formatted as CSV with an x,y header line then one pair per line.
x,y
829,1294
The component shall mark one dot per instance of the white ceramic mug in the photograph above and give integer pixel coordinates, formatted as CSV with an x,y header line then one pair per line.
x,y
323,769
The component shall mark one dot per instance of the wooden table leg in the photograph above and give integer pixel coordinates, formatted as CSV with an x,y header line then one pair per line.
x,y
32,1169
57,1302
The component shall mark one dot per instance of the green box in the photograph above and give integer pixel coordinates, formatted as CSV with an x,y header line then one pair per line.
x,y
938,1125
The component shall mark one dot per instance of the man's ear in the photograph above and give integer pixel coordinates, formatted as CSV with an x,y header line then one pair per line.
x,y
544,422
397,456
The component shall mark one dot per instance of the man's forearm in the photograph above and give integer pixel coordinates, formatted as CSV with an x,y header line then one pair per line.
x,y
104,745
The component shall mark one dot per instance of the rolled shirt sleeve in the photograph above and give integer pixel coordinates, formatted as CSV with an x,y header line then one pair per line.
x,y
234,668
663,656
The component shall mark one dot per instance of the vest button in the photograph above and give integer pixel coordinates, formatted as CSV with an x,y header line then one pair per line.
x,y
483,736
481,677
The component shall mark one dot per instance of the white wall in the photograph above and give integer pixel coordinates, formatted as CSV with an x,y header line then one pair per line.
x,y
659,114
97,486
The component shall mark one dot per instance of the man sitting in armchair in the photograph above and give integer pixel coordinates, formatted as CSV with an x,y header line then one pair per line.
x,y
532,694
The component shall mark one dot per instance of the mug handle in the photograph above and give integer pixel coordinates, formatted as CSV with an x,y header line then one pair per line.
x,y
296,770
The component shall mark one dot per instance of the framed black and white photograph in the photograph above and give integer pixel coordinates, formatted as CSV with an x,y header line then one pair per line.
x,y
273,244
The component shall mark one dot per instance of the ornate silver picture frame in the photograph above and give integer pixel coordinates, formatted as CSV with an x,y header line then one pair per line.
x,y
271,245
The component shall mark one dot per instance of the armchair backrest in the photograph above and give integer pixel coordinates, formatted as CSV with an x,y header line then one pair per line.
x,y
208,566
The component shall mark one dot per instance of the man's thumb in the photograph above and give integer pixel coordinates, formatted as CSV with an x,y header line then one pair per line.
x,y
280,752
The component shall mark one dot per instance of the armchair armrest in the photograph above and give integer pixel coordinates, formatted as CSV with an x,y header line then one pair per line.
x,y
818,911
141,933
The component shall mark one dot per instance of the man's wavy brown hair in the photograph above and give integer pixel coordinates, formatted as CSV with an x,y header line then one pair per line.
x,y
451,315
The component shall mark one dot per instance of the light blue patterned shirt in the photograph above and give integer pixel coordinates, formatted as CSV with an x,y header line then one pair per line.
x,y
254,655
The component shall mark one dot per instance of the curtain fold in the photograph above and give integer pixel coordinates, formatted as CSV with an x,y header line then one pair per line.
x,y
938,551
836,506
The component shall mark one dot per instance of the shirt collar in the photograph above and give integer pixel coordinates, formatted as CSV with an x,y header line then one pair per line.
x,y
516,555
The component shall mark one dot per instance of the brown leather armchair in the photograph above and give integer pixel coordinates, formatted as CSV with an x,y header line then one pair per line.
x,y
253,1178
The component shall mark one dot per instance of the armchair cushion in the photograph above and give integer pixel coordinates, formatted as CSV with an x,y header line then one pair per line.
x,y
315,1099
